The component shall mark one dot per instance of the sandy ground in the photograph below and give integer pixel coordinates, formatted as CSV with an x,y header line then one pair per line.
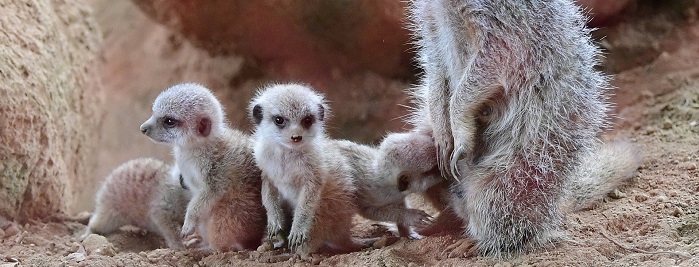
x,y
652,221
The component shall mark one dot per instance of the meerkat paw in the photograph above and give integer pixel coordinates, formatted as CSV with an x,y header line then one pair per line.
x,y
417,218
464,247
187,228
444,142
296,239
456,155
192,243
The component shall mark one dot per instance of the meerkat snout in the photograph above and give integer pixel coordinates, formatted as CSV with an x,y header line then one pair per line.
x,y
145,128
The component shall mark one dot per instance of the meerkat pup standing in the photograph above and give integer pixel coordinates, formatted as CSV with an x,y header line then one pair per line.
x,y
217,165
514,102
306,183
145,193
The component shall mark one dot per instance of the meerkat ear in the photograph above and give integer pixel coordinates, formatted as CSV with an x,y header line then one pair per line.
x,y
257,114
204,127
321,112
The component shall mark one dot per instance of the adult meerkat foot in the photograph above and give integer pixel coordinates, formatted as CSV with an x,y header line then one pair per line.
x,y
464,247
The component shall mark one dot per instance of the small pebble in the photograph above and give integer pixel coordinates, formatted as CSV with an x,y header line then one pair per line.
x,y
11,258
690,166
667,124
76,257
677,212
380,243
316,259
21,237
640,198
98,245
661,199
266,246
74,247
11,231
616,194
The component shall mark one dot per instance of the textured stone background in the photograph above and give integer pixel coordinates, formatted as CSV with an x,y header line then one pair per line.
x,y
48,105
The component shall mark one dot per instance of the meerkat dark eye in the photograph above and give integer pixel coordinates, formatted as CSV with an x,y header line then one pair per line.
x,y
307,121
403,183
279,121
169,122
486,111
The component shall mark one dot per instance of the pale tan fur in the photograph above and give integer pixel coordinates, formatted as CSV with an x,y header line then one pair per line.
x,y
145,193
514,103
307,184
386,175
217,164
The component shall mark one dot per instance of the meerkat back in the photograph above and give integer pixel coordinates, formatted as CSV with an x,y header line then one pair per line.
x,y
143,193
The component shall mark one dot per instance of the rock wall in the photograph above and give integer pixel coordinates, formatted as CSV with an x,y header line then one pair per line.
x,y
306,40
48,99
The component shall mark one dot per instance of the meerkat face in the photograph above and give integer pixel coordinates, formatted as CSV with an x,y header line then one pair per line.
x,y
291,115
184,114
409,161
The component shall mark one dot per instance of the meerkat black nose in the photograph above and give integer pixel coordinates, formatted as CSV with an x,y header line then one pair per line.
x,y
144,130
296,138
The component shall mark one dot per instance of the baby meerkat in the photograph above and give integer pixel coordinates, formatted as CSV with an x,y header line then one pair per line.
x,y
217,165
381,193
145,193
303,178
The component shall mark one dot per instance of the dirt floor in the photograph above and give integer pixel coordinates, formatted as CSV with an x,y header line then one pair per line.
x,y
653,221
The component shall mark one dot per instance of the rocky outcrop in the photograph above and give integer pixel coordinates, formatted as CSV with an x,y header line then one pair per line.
x,y
305,40
48,94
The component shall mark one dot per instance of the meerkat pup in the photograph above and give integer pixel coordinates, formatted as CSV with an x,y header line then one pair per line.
x,y
217,165
380,191
145,193
409,161
514,103
306,183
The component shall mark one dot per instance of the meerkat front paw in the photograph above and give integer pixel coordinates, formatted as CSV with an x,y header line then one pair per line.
x,y
187,227
417,218
464,247
444,142
297,238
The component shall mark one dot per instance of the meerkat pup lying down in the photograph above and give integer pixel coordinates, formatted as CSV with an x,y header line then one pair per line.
x,y
145,193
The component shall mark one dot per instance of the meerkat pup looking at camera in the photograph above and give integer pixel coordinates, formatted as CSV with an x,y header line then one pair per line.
x,y
145,193
217,165
306,183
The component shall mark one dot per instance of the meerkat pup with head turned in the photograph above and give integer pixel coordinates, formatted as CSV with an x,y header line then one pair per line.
x,y
514,103
145,193
217,165
409,161
381,190
306,183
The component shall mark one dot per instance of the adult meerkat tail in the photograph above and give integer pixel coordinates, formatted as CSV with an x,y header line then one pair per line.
x,y
601,171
